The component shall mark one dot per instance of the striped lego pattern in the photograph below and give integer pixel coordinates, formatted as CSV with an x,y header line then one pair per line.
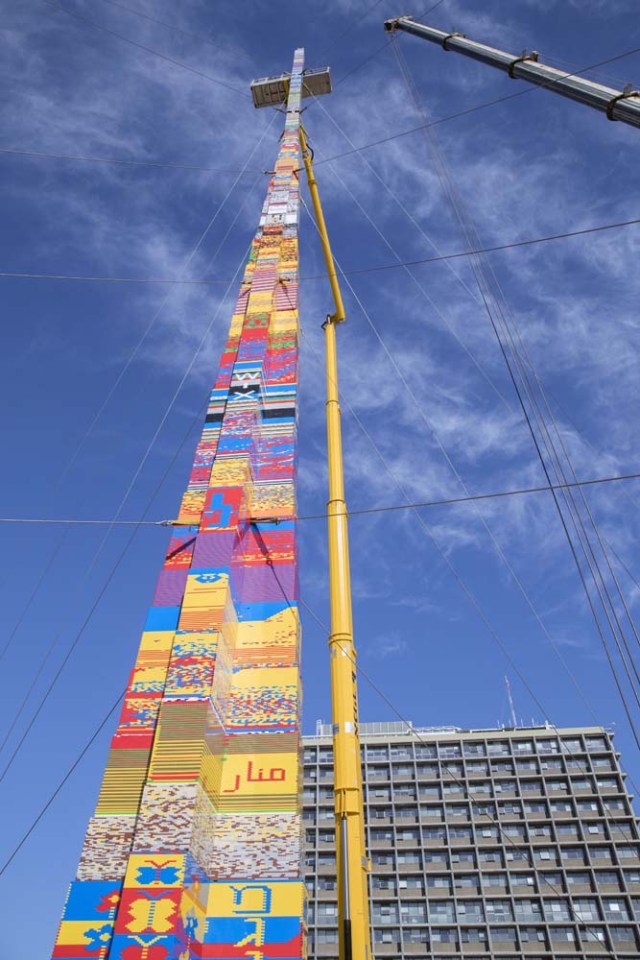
x,y
194,850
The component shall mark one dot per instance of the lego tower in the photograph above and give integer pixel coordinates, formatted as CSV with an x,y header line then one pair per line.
x,y
195,846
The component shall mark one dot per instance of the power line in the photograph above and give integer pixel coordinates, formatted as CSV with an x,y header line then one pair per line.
x,y
366,146
39,155
515,244
142,46
121,375
133,480
363,63
57,790
163,23
448,501
518,365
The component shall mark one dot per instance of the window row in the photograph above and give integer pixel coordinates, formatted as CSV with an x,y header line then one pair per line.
x,y
470,748
621,937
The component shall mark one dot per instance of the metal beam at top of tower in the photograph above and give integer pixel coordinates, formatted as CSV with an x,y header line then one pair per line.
x,y
272,91
621,105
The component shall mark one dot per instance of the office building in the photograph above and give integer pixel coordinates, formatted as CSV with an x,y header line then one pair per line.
x,y
516,843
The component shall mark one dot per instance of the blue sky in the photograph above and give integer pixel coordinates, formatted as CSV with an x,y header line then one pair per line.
x,y
528,167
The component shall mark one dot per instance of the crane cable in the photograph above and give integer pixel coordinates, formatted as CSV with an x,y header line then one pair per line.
x,y
136,474
112,390
515,367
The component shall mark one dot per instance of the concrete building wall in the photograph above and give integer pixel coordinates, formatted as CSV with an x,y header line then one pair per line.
x,y
518,843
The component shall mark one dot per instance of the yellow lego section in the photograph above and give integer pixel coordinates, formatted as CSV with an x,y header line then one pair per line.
x,y
265,774
155,870
285,899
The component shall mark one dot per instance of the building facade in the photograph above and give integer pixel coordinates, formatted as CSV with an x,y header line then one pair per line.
x,y
512,843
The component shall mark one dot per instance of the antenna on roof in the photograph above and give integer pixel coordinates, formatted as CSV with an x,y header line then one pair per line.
x,y
514,722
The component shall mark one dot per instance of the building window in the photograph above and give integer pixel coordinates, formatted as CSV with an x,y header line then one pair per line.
x,y
466,857
444,935
327,911
384,912
439,883
460,833
402,770
586,908
450,751
477,768
547,746
415,936
551,879
532,934
405,790
413,912
483,809
442,911
327,883
528,910
411,883
513,831
562,934
326,935
472,749
518,855
551,763
470,911
498,748
623,831
565,830
555,910
498,911
383,883
524,879
503,934
386,936
526,766
434,833
608,784
578,879
383,858
545,854
624,935
326,859
412,857
454,789
602,854
480,787
379,834
494,880
473,935
615,909
574,854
